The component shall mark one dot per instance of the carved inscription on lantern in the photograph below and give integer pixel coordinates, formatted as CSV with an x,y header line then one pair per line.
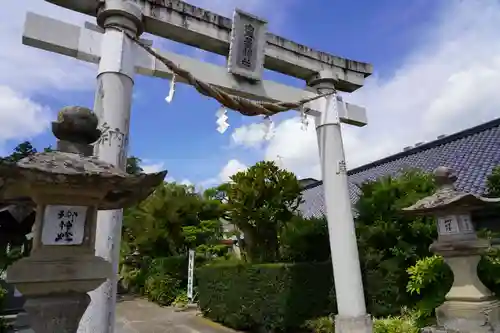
x,y
448,225
466,224
248,40
63,225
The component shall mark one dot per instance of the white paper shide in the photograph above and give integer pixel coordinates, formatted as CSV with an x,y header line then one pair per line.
x,y
64,225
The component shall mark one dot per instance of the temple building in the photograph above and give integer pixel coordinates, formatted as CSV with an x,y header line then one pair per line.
x,y
471,153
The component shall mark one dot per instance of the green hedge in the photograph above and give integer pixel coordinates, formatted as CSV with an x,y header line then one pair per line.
x,y
161,280
272,297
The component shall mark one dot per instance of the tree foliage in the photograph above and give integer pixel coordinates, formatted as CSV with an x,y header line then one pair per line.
x,y
134,165
389,241
22,150
172,220
493,183
305,240
259,201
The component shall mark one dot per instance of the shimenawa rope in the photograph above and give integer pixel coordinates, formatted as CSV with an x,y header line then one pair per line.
x,y
243,105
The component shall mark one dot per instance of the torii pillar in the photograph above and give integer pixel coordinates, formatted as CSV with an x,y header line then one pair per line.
x,y
113,100
352,316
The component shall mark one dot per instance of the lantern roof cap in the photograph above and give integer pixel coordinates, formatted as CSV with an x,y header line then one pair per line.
x,y
447,198
76,130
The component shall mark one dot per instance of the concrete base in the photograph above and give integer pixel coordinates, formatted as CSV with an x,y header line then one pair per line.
x,y
58,313
361,324
469,317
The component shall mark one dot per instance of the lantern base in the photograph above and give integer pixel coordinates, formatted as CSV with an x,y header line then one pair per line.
x,y
469,317
41,275
56,313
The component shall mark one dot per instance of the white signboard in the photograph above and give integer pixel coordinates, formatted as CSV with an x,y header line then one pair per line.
x,y
448,225
248,41
64,225
190,275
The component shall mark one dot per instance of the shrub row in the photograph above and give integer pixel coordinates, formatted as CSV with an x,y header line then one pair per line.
x,y
398,324
267,296
279,297
161,280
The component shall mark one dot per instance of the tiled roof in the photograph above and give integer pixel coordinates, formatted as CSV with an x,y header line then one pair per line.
x,y
471,153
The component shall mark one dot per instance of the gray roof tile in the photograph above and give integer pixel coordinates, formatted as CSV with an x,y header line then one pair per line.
x,y
472,154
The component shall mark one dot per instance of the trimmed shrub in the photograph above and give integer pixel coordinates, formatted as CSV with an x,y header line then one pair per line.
x,y
272,297
162,289
321,325
305,240
282,296
397,324
161,280
133,279
172,266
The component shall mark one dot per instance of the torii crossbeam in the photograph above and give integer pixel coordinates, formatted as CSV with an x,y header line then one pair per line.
x,y
84,43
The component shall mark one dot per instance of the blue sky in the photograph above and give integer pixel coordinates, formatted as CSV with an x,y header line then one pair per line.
x,y
423,53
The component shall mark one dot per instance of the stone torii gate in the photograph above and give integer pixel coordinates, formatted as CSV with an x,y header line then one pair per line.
x,y
119,58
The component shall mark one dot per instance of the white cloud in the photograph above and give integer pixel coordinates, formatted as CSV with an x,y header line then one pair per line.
x,y
250,136
185,182
232,167
294,148
33,71
19,114
447,83
26,72
150,167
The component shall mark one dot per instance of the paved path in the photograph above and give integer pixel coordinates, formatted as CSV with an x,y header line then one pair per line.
x,y
137,315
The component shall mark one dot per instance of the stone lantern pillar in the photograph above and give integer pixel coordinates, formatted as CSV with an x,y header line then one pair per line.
x,y
470,307
68,187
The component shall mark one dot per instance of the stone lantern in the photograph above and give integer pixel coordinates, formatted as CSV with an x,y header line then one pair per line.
x,y
470,306
68,187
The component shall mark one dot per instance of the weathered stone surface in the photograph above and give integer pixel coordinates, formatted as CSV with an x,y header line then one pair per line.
x,y
447,197
76,124
56,313
469,317
74,170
